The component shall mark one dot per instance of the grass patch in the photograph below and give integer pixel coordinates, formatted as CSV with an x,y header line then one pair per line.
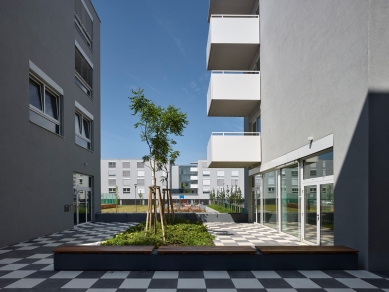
x,y
127,209
221,209
179,232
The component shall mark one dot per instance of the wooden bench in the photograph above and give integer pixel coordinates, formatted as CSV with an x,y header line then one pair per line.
x,y
340,249
129,249
206,250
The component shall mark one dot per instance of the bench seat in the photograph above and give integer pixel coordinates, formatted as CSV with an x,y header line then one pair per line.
x,y
340,249
128,249
206,250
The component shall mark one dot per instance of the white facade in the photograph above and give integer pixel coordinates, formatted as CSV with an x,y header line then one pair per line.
x,y
125,174
200,180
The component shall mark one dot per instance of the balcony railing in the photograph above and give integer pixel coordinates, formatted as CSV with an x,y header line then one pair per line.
x,y
233,93
234,149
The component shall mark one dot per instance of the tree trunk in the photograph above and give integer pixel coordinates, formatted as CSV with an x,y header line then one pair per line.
x,y
161,213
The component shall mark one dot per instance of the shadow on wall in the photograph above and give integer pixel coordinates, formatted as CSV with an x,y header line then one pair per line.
x,y
361,191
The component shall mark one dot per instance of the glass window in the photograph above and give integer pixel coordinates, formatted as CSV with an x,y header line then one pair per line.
x,y
126,164
111,172
140,165
141,173
126,190
220,173
112,181
235,173
83,131
84,73
270,208
126,182
220,182
319,166
111,164
206,182
290,204
83,22
111,190
206,173
140,182
44,106
126,173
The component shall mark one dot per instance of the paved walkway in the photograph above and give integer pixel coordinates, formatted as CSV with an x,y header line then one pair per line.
x,y
28,266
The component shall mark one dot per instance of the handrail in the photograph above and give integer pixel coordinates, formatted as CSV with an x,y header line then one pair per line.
x,y
234,16
234,71
235,133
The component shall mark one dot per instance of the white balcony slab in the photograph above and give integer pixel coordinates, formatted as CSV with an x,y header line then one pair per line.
x,y
233,41
231,7
229,150
233,93
193,177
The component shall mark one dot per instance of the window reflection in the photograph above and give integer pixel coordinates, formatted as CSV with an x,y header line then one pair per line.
x,y
319,166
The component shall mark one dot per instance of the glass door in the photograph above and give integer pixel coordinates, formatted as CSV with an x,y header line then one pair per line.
x,y
327,214
82,198
311,216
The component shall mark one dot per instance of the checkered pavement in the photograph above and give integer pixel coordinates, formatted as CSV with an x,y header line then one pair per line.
x,y
28,266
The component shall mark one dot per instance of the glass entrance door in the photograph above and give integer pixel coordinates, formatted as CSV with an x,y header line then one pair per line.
x,y
327,214
310,214
82,198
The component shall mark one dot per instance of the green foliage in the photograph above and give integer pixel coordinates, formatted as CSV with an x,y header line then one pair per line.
x,y
177,232
221,209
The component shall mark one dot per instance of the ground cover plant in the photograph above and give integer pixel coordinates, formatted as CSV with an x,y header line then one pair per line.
x,y
221,209
179,232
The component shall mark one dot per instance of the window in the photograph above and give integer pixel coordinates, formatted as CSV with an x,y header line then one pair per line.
x,y
295,181
220,173
126,173
111,190
126,164
112,181
111,164
84,22
206,173
140,165
84,73
270,190
83,128
294,172
295,190
312,173
141,173
206,182
234,182
126,190
235,173
140,182
126,182
206,191
220,182
205,164
45,105
111,172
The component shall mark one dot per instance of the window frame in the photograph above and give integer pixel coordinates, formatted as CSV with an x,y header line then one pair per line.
x,y
81,27
43,87
90,123
79,80
126,190
111,164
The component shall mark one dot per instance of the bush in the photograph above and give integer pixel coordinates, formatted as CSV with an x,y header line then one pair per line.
x,y
179,232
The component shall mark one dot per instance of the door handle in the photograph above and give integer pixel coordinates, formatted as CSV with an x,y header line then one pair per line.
x,y
318,216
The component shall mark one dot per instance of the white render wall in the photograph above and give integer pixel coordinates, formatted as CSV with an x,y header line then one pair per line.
x,y
132,179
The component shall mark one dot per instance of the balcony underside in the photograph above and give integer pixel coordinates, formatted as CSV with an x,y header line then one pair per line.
x,y
230,7
231,56
231,108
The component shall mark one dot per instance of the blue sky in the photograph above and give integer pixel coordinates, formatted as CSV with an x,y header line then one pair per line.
x,y
159,46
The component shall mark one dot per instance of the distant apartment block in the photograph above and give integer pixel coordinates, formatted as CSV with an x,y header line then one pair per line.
x,y
50,117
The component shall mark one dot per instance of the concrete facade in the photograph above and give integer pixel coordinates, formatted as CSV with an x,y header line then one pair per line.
x,y
324,87
37,192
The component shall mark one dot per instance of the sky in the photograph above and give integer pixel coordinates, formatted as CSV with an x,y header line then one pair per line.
x,y
158,46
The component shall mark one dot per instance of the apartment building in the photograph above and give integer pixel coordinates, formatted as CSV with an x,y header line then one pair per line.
x,y
195,181
50,117
131,176
311,79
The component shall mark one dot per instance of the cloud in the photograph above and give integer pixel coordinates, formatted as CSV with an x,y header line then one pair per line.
x,y
142,82
194,86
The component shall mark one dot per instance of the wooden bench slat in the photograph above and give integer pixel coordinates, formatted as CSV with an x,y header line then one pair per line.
x,y
128,249
305,249
206,250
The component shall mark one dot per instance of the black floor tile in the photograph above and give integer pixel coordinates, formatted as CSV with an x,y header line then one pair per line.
x,y
338,274
6,282
163,283
33,267
131,290
367,290
251,290
310,290
329,283
26,261
42,274
141,274
108,283
190,274
290,274
274,283
50,285
70,290
219,283
379,283
91,274
240,274
191,290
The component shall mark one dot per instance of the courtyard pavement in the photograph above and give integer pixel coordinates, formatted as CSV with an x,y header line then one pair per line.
x,y
28,266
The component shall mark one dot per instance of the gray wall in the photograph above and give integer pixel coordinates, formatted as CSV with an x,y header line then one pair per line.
x,y
36,174
319,60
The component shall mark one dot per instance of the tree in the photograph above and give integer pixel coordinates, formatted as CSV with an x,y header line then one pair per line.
x,y
116,198
165,165
158,127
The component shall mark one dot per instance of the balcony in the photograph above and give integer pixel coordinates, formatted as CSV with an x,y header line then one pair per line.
x,y
233,41
228,150
193,169
193,177
230,7
233,93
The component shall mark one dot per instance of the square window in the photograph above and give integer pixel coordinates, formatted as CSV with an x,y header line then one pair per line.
x,y
83,73
220,173
111,190
126,164
140,182
126,182
140,165
141,173
111,164
111,172
206,182
206,191
270,190
220,182
234,173
126,173
126,190
112,181
206,173
45,106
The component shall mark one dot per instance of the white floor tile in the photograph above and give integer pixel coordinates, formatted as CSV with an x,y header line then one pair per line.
x,y
216,275
191,284
25,283
80,283
265,274
301,283
165,275
314,274
362,274
9,261
66,274
44,261
12,267
40,256
135,284
246,283
115,275
18,274
355,283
